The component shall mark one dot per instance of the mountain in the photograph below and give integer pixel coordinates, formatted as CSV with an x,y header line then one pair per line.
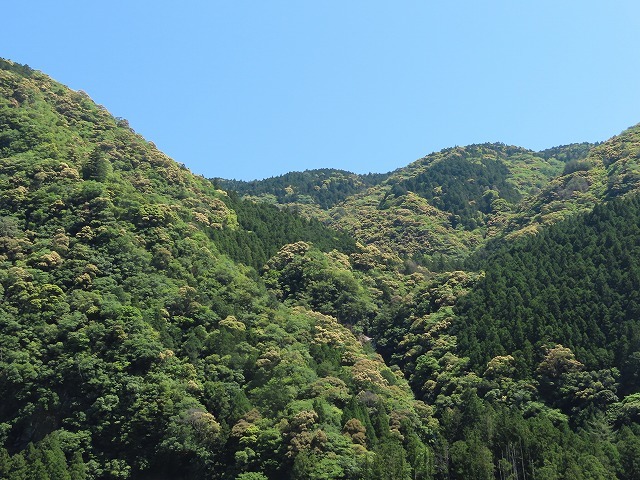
x,y
322,187
609,170
474,317
133,346
542,331
438,208
448,203
518,303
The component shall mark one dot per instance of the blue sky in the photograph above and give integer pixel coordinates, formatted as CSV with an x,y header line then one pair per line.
x,y
241,89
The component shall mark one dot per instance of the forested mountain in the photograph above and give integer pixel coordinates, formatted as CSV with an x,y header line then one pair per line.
x,y
264,228
437,209
447,204
575,283
131,346
322,187
537,354
610,169
475,315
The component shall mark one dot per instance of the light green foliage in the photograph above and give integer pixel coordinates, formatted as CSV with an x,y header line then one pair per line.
x,y
446,204
301,275
251,476
606,171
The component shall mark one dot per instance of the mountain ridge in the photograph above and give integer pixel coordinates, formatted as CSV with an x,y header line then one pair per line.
x,y
357,211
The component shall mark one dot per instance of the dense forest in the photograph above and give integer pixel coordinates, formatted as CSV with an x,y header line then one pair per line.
x,y
133,347
462,188
577,281
325,187
435,211
473,315
264,229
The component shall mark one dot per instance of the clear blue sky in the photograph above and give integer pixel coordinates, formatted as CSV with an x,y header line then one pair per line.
x,y
252,89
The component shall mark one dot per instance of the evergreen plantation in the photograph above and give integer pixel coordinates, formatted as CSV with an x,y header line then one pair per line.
x,y
474,315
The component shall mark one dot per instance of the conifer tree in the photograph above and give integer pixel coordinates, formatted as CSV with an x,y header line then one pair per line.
x,y
19,467
77,469
97,166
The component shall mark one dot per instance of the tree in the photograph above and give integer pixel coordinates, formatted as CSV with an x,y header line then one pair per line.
x,y
390,461
5,463
471,460
97,166
629,448
77,469
19,467
251,476
55,461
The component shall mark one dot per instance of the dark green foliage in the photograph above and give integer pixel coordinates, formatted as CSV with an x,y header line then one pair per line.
x,y
324,187
46,460
576,166
266,228
574,284
77,468
569,153
570,284
629,448
389,462
97,166
131,346
464,185
5,463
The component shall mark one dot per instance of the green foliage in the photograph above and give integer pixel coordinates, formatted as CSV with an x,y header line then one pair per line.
x,y
97,166
324,187
591,175
23,70
131,345
77,468
460,185
251,476
301,275
572,284
265,229
568,153
447,204
137,341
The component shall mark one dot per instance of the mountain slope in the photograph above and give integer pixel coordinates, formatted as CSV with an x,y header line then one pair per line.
x,y
438,208
322,187
610,170
131,347
137,342
447,203
574,283
543,340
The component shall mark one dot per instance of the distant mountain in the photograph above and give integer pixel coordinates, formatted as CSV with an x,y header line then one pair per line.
x,y
609,170
442,206
448,203
323,187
